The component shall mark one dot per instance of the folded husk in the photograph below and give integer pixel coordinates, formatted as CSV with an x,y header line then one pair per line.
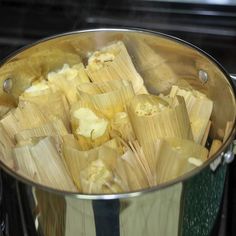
x,y
109,97
160,120
53,104
52,128
70,141
77,160
121,127
98,177
25,164
199,108
45,163
22,118
216,144
67,79
6,145
173,158
206,134
113,62
228,128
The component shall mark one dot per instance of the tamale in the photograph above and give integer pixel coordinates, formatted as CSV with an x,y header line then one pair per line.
x,y
52,128
206,134
25,164
21,118
67,79
89,126
46,161
6,145
98,175
228,128
113,62
216,144
121,126
77,160
173,158
153,117
52,103
109,97
199,108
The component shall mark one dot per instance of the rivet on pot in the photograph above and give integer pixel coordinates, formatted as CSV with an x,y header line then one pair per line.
x,y
203,76
7,85
229,156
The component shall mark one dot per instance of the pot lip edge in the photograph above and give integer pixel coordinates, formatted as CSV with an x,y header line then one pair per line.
x,y
140,192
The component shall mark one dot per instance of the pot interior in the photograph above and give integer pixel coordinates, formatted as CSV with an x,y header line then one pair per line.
x,y
178,63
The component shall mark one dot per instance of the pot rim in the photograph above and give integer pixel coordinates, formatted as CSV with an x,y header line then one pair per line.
x,y
140,192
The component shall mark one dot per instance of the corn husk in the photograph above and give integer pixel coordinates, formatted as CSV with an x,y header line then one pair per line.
x,y
215,146
206,134
77,160
67,79
108,97
157,74
70,141
52,128
42,162
113,62
98,177
53,104
6,145
177,157
228,128
86,128
199,109
121,127
26,165
22,118
154,118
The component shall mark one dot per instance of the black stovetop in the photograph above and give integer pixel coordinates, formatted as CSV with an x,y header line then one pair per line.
x,y
211,27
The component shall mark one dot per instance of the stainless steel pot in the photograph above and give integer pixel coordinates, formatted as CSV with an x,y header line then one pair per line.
x,y
185,206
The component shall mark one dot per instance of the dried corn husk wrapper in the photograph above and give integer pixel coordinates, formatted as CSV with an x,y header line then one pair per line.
x,y
76,160
6,145
199,108
67,79
38,162
215,146
51,102
89,126
153,117
52,128
176,157
113,62
132,169
109,97
121,127
21,118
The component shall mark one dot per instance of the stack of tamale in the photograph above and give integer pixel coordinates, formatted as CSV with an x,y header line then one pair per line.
x,y
96,129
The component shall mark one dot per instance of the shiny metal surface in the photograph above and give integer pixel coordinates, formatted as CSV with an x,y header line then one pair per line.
x,y
185,206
